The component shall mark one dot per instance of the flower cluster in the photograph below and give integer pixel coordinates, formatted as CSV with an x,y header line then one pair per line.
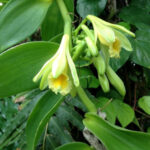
x,y
59,73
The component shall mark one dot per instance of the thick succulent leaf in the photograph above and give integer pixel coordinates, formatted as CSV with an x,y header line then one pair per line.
x,y
74,146
40,115
19,19
20,64
116,138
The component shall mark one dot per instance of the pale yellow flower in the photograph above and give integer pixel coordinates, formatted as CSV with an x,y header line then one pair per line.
x,y
109,35
58,72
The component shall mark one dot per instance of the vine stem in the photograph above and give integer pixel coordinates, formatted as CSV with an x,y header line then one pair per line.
x,y
44,140
86,101
67,30
66,17
79,27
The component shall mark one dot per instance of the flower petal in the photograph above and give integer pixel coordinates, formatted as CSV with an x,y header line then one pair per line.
x,y
60,61
111,25
73,70
43,69
125,43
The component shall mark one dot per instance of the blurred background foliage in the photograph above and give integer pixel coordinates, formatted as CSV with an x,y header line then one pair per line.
x,y
65,126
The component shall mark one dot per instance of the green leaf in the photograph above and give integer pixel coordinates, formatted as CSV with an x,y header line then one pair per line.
x,y
76,102
74,146
134,15
52,25
65,113
144,103
106,106
124,112
58,131
116,138
87,78
57,38
143,35
40,115
19,19
141,4
20,64
86,7
141,48
9,132
117,63
116,109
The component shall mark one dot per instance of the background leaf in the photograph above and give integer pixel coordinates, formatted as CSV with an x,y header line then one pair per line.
x,y
144,103
134,13
117,63
124,112
9,133
141,51
86,7
116,109
87,78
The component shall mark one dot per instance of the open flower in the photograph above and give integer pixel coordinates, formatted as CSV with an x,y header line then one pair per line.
x,y
58,72
109,35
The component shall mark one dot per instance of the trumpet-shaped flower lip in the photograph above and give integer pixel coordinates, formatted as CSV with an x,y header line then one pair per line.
x,y
115,48
61,85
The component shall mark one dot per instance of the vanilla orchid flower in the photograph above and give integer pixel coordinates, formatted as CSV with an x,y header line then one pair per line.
x,y
110,35
58,72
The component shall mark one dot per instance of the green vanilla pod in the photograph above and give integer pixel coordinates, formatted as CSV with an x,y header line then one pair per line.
x,y
92,46
104,83
115,81
99,64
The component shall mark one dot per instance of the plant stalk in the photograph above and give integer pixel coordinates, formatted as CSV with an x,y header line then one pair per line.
x,y
86,101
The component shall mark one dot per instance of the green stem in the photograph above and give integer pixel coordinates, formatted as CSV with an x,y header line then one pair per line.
x,y
67,30
67,20
86,101
44,139
79,27
66,17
